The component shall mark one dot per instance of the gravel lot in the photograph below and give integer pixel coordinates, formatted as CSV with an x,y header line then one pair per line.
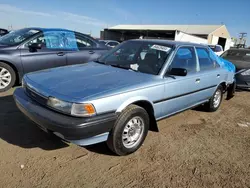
x,y
192,149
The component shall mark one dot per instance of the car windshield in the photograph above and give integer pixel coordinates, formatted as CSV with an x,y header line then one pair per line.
x,y
145,57
17,37
238,55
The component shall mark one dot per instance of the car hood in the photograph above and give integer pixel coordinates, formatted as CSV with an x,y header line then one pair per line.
x,y
240,64
86,80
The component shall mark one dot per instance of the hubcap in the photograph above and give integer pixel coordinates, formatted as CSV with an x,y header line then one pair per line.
x,y
133,131
5,78
217,99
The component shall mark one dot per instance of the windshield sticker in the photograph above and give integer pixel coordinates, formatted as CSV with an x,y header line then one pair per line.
x,y
161,48
33,31
247,54
134,66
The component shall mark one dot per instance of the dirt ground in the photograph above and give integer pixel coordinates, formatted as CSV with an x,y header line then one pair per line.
x,y
192,149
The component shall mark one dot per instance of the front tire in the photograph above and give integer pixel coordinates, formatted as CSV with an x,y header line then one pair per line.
x,y
215,102
130,131
7,77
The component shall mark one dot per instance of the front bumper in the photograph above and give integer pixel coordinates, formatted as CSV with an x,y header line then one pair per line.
x,y
70,128
242,81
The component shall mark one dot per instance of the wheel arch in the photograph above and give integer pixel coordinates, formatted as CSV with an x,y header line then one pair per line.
x,y
15,70
145,104
224,86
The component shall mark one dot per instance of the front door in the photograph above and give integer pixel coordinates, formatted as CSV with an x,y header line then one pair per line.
x,y
181,91
52,53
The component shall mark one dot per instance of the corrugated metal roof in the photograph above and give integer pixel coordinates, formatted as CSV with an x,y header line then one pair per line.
x,y
191,29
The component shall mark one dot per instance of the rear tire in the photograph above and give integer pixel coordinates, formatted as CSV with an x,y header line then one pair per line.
x,y
215,102
7,77
129,131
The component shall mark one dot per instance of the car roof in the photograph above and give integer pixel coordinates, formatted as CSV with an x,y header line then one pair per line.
x,y
108,40
170,42
2,29
55,29
47,29
240,49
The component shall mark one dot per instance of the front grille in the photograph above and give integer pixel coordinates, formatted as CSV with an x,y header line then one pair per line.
x,y
36,96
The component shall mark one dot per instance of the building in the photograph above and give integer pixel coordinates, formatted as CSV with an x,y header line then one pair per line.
x,y
206,34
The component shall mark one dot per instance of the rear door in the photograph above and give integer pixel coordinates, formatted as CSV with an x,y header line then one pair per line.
x,y
86,50
210,73
52,54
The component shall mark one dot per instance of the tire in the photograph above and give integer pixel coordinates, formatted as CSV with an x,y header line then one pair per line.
x,y
212,106
118,140
10,80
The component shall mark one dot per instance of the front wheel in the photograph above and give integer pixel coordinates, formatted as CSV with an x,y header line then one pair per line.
x,y
130,131
215,102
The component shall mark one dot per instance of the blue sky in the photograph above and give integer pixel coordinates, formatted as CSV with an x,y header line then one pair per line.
x,y
92,16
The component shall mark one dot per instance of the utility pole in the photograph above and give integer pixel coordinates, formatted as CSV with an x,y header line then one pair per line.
x,y
242,40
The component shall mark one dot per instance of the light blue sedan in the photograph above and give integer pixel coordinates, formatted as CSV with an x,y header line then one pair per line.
x,y
122,95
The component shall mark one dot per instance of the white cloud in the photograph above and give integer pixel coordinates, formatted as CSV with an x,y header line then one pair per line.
x,y
66,16
81,19
123,13
11,9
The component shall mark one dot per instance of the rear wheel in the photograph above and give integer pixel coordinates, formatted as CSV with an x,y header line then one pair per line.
x,y
7,77
215,101
130,131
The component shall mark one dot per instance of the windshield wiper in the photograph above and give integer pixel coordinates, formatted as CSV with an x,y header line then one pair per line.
x,y
123,67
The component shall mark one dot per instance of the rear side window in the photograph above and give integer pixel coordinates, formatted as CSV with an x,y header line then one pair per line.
x,y
112,43
185,58
83,42
206,63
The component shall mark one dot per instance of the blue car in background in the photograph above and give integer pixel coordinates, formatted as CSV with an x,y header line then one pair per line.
x,y
122,95
32,49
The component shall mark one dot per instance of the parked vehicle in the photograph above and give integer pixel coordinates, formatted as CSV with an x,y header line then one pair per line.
x,y
109,43
120,96
3,32
33,49
218,50
241,59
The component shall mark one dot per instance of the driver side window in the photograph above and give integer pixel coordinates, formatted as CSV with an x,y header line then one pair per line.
x,y
39,40
185,58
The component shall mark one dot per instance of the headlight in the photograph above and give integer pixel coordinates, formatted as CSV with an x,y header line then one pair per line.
x,y
59,105
80,110
246,73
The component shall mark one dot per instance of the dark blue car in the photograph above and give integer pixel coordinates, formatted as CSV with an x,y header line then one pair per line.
x,y
33,49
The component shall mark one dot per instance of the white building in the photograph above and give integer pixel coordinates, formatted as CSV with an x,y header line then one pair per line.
x,y
206,34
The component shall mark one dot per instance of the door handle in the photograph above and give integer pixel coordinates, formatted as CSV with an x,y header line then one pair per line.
x,y
197,80
60,53
218,75
91,52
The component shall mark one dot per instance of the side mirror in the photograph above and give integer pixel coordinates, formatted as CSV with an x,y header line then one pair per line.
x,y
35,46
178,72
